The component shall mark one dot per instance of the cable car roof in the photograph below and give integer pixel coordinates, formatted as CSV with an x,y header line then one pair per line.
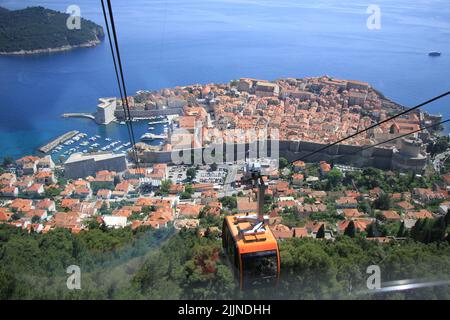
x,y
250,243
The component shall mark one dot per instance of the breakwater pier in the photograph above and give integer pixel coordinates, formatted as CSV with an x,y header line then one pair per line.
x,y
61,139
79,115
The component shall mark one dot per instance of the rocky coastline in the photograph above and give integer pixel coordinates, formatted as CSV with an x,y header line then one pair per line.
x,y
88,44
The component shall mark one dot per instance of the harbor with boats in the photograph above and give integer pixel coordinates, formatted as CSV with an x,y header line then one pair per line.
x,y
111,138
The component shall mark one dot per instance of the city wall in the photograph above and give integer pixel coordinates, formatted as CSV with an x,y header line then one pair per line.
x,y
291,150
88,167
120,114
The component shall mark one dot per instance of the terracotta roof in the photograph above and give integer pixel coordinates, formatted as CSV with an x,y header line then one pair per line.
x,y
325,167
446,178
68,203
351,193
421,214
360,225
35,187
176,188
190,210
352,213
299,164
391,215
66,220
35,212
134,209
104,193
314,226
245,205
405,205
187,122
5,215
161,215
123,186
17,203
346,200
27,159
300,232
122,213
43,174
202,186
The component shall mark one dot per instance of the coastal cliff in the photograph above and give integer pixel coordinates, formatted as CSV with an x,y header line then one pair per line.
x,y
37,30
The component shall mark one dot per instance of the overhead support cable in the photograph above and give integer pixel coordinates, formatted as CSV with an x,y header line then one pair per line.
x,y
382,142
116,71
392,139
120,76
372,126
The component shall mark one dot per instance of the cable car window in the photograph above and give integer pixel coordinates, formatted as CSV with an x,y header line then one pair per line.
x,y
259,268
230,243
236,257
225,235
230,248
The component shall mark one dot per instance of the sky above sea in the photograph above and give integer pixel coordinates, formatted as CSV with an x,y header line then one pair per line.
x,y
170,43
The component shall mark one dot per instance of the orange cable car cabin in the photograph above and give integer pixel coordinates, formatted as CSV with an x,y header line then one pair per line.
x,y
252,251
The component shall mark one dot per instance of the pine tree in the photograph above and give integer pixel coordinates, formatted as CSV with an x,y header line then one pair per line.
x,y
350,230
447,218
383,202
370,230
401,230
416,230
438,230
321,232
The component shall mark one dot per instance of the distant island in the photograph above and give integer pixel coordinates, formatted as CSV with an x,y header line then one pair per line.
x,y
39,30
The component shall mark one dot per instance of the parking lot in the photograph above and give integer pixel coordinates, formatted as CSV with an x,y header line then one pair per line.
x,y
177,173
214,177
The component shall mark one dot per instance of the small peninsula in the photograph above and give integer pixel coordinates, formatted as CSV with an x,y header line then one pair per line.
x,y
39,30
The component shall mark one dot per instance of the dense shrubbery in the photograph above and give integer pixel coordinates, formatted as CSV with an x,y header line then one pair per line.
x,y
39,28
369,178
126,264
185,267
321,269
34,265
389,182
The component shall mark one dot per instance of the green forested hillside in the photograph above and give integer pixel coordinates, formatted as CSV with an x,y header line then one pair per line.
x,y
37,28
149,264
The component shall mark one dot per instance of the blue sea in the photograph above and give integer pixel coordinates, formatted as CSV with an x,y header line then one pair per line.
x,y
170,43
